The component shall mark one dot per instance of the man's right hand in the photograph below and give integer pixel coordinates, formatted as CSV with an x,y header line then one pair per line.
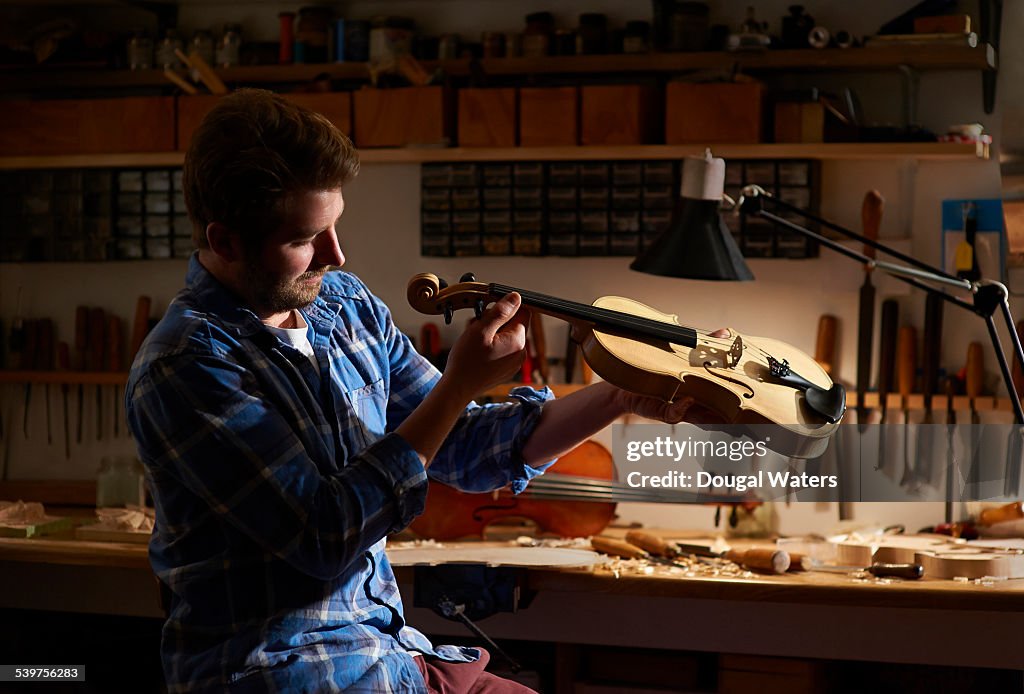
x,y
491,350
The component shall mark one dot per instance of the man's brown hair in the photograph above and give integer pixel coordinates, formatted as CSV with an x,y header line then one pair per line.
x,y
249,153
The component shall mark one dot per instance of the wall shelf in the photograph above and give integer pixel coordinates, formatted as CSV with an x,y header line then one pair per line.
x,y
927,151
916,56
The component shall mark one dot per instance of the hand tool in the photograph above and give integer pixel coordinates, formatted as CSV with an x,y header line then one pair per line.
x,y
824,354
44,362
825,345
1007,512
28,359
910,572
766,560
626,550
202,71
975,381
906,353
932,358
81,345
180,81
64,365
886,369
114,365
951,467
98,358
871,219
540,347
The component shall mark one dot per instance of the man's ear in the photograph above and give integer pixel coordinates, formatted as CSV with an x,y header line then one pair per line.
x,y
224,244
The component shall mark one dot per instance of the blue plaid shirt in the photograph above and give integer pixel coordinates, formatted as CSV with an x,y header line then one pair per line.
x,y
276,482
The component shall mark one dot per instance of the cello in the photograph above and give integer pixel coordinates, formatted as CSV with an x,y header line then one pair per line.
x,y
747,381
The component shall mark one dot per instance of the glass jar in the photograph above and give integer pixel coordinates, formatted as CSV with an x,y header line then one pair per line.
x,y
202,45
140,51
637,37
166,55
493,44
230,46
390,38
120,482
536,41
448,47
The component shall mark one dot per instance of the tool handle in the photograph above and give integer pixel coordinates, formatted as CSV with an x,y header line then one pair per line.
x,y
906,351
1001,514
140,325
768,560
908,571
887,350
932,357
617,548
975,370
96,355
114,356
651,543
81,336
871,219
825,347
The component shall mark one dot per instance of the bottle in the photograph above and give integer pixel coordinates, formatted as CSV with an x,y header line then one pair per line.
x,y
230,45
166,56
286,45
140,51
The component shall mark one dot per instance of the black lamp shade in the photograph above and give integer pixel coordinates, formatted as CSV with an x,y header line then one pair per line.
x,y
696,245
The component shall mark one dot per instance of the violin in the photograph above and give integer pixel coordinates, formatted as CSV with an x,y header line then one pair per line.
x,y
744,380
576,497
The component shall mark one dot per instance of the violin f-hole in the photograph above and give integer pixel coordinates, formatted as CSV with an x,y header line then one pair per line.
x,y
710,368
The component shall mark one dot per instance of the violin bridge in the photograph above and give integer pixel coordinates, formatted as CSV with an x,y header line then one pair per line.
x,y
735,352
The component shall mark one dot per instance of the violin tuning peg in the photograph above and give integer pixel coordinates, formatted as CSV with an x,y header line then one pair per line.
x,y
479,308
468,277
448,313
442,283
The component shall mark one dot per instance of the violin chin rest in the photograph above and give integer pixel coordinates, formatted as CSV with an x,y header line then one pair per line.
x,y
830,404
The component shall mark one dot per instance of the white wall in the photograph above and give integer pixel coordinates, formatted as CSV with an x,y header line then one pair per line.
x,y
380,236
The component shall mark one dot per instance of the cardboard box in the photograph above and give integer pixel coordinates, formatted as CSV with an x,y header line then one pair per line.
x,y
335,106
402,117
718,112
487,117
87,126
548,116
625,114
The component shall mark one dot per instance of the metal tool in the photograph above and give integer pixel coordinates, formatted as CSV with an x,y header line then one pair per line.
x,y
951,466
98,358
81,345
886,370
975,380
906,352
64,365
925,469
871,219
44,362
911,572
767,560
114,365
31,333
627,550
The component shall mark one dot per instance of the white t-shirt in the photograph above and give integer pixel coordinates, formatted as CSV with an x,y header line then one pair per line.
x,y
297,338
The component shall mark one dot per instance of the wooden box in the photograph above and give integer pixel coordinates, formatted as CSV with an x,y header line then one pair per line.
x,y
336,106
401,117
625,114
799,121
87,126
720,112
548,116
487,117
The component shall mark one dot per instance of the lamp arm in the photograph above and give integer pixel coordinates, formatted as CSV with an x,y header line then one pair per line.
x,y
989,295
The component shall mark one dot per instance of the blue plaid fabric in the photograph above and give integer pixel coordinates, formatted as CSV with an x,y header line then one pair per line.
x,y
276,482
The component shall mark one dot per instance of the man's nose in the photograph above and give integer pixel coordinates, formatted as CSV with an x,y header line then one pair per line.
x,y
328,252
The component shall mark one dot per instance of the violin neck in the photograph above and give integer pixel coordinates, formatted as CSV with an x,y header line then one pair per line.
x,y
605,319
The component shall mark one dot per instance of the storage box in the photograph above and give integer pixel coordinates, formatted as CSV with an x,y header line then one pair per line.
x,y
619,115
87,126
799,121
401,117
487,117
335,106
721,112
548,116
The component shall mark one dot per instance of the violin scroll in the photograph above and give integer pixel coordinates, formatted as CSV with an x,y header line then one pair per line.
x,y
431,295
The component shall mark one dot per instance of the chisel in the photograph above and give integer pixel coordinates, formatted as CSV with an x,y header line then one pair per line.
x,y
626,550
44,362
31,329
81,345
886,369
114,365
97,342
871,219
64,365
975,379
931,361
906,353
910,572
767,560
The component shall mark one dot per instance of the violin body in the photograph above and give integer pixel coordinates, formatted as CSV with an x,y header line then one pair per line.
x,y
451,514
744,380
741,393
